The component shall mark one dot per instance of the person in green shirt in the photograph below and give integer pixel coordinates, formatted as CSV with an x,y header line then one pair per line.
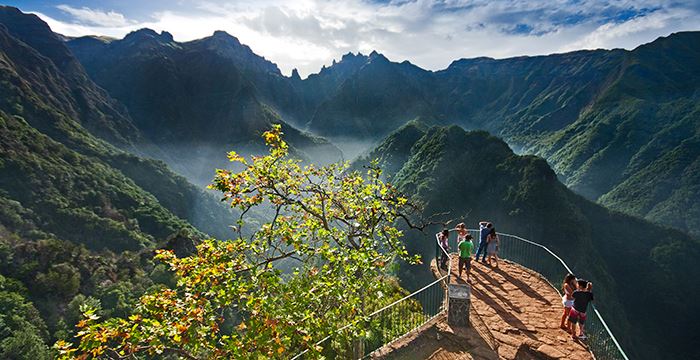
x,y
466,247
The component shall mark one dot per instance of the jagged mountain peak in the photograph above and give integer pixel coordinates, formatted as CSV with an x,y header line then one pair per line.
x,y
224,36
374,57
350,63
149,34
36,33
352,56
229,46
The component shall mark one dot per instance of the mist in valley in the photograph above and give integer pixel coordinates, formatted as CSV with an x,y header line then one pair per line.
x,y
198,162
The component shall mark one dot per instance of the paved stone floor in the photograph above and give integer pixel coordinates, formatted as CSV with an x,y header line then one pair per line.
x,y
515,314
522,312
451,343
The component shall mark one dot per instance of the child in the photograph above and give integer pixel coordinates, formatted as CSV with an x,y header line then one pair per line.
x,y
582,297
492,247
465,246
442,238
567,300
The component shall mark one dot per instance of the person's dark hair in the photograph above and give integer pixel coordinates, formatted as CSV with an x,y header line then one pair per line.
x,y
493,231
567,280
469,237
489,225
582,283
446,232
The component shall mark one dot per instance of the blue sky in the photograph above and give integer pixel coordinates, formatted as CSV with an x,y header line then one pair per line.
x,y
307,34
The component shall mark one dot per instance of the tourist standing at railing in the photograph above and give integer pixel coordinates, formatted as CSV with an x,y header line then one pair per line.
x,y
577,315
567,299
484,230
492,247
443,238
466,247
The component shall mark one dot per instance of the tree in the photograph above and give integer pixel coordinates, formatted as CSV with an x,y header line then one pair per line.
x,y
314,266
24,344
62,279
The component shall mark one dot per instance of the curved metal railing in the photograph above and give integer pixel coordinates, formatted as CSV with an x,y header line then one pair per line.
x,y
537,257
391,322
401,317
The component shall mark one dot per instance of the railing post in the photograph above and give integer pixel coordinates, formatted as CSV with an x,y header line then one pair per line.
x,y
437,253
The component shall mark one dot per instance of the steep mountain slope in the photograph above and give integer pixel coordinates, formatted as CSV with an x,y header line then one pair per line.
x,y
197,99
68,191
41,94
79,218
87,104
317,88
636,266
635,148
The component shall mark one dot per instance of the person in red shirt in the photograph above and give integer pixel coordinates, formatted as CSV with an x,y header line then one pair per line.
x,y
582,297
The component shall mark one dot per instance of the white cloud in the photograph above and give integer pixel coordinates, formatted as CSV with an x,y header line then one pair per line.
x,y
89,16
307,34
637,31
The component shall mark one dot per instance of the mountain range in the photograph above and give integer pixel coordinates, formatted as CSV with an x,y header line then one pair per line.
x,y
619,127
106,145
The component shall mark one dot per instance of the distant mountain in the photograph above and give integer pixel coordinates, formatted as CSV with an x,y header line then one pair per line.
x,y
199,99
637,267
374,100
606,120
619,127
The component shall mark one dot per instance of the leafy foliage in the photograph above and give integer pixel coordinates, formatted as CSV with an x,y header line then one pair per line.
x,y
334,228
22,331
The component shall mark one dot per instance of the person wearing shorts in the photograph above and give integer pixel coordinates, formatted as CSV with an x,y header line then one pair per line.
x,y
493,243
465,247
582,297
567,300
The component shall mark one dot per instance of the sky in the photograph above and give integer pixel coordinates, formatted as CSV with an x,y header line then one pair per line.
x,y
308,34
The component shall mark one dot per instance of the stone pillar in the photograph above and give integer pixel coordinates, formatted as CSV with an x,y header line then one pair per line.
x,y
358,348
458,304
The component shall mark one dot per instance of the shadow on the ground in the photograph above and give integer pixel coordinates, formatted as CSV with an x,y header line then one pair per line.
x,y
454,343
486,276
506,315
522,286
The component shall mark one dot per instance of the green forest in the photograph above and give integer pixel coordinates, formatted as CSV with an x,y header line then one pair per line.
x,y
111,243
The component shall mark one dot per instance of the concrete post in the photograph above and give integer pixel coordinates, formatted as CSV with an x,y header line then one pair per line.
x,y
458,304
